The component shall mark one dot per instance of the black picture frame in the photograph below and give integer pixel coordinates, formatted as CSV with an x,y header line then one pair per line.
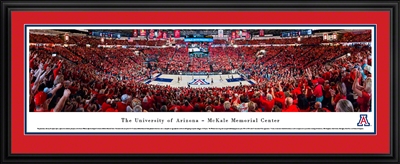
x,y
9,6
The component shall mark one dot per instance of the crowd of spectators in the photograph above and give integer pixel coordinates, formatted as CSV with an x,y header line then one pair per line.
x,y
359,36
309,78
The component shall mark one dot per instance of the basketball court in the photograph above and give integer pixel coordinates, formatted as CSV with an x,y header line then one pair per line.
x,y
199,81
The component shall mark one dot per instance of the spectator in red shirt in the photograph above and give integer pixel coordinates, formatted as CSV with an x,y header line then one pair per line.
x,y
363,92
219,106
228,107
31,62
187,107
100,97
57,71
175,106
122,105
268,103
318,92
106,105
341,93
146,104
290,106
112,108
40,98
279,96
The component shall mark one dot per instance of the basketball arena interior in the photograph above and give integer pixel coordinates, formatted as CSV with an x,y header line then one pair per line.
x,y
200,70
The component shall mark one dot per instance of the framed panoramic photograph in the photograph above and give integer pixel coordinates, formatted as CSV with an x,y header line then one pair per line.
x,y
200,82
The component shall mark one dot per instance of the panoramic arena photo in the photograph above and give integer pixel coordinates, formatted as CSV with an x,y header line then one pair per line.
x,y
200,69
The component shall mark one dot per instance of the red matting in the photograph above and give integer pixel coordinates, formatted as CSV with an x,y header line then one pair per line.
x,y
126,144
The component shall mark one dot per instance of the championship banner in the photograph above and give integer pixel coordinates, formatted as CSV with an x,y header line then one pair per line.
x,y
164,35
238,33
247,35
177,33
135,33
334,36
261,33
220,33
151,35
233,35
244,33
325,36
142,32
160,34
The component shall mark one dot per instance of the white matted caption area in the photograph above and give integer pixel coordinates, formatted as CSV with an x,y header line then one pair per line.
x,y
255,122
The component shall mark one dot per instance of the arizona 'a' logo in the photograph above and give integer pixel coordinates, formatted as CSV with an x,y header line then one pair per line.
x,y
363,120
199,82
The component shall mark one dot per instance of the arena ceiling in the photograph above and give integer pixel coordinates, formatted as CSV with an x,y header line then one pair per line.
x,y
199,31
203,31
